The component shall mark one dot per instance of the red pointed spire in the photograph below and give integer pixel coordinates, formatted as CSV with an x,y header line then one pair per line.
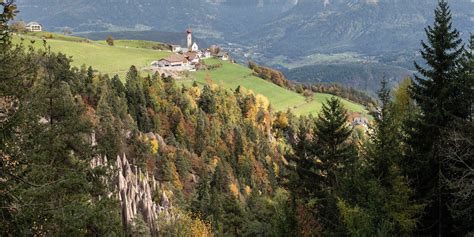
x,y
189,30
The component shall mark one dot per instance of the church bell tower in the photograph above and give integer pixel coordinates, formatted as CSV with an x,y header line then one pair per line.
x,y
190,38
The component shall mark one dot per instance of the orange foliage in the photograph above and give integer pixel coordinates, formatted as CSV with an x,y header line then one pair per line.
x,y
234,190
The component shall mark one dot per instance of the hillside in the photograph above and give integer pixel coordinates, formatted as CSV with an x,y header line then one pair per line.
x,y
106,59
117,60
233,75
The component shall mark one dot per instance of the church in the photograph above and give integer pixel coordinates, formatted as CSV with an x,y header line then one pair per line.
x,y
192,46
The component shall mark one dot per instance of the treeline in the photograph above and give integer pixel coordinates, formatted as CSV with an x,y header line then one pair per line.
x,y
274,76
348,93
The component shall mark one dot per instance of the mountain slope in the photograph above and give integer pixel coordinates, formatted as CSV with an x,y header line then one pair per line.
x,y
369,27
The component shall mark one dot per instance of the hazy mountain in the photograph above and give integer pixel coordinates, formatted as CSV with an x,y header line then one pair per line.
x,y
365,26
211,18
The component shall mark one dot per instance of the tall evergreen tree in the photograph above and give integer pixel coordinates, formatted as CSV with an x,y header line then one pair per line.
x,y
332,146
439,90
321,172
135,93
207,102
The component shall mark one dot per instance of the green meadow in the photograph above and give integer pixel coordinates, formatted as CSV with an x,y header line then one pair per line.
x,y
102,57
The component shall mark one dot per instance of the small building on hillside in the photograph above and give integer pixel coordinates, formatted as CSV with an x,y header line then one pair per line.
x,y
192,57
34,27
360,121
223,56
207,54
174,60
194,47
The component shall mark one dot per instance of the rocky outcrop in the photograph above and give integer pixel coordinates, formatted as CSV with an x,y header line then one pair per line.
x,y
135,190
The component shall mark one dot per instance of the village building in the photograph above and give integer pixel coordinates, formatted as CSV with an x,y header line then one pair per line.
x,y
34,27
194,47
207,53
360,121
192,57
223,56
174,60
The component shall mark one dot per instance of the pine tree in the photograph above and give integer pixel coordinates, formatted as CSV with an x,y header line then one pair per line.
x,y
108,133
135,93
439,90
335,155
324,165
207,102
332,146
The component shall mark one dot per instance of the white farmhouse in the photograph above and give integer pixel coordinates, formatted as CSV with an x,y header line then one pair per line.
x,y
34,27
223,56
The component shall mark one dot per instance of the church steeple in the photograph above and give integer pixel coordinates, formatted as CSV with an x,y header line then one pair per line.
x,y
189,31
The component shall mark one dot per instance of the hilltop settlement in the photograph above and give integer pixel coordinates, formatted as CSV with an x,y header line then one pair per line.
x,y
188,58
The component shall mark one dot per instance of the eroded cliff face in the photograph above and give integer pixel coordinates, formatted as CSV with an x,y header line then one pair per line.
x,y
135,191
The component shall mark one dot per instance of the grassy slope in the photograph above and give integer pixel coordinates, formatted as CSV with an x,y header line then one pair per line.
x,y
232,75
117,60
106,59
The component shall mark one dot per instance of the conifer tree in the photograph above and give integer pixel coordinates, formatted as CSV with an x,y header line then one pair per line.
x,y
332,146
137,102
440,92
108,133
207,102
320,173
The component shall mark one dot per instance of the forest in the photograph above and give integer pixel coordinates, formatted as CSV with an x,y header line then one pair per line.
x,y
223,163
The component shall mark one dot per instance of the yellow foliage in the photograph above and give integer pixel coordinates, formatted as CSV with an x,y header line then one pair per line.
x,y
183,224
213,163
234,190
248,190
276,169
176,180
214,87
195,92
268,159
199,228
154,146
282,120
262,102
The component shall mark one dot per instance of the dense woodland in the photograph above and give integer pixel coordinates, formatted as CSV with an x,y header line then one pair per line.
x,y
230,165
